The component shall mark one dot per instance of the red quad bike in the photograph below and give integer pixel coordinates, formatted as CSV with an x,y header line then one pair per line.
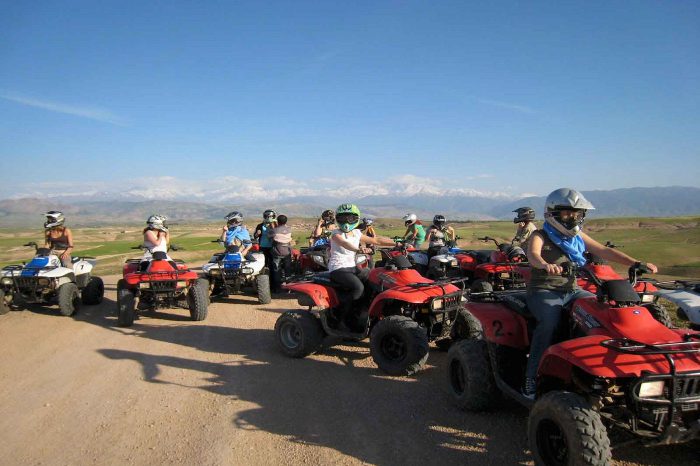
x,y
160,284
503,270
617,369
417,258
401,312
315,259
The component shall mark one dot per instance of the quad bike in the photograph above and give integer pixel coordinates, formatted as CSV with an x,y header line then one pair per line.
x,y
445,264
229,273
503,271
417,258
686,295
616,369
315,258
45,280
159,283
401,312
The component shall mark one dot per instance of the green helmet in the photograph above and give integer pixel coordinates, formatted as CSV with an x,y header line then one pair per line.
x,y
347,216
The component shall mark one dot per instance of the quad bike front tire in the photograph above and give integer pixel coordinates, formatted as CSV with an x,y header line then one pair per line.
x,y
564,429
470,378
398,345
204,284
198,301
298,333
660,313
68,299
93,292
262,287
4,304
126,305
481,286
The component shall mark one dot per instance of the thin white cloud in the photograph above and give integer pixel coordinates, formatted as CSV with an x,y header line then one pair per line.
x,y
507,106
93,113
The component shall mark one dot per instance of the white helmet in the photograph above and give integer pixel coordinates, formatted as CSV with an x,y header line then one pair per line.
x,y
54,218
367,222
234,217
157,222
566,199
410,219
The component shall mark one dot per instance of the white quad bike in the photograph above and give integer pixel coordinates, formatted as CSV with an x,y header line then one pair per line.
x,y
445,264
228,273
44,280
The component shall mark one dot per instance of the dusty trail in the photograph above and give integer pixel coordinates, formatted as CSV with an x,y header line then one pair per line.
x,y
83,391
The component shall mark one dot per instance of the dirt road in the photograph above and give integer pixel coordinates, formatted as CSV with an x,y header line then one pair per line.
x,y
171,391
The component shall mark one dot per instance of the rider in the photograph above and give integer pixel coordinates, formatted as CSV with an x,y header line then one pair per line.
x,y
264,238
524,218
235,235
325,225
58,237
345,244
367,229
559,241
438,234
415,233
156,238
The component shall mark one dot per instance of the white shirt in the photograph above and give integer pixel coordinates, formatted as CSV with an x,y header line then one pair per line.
x,y
162,246
340,257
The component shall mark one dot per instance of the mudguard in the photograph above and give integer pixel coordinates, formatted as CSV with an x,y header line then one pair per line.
x,y
484,270
321,296
687,299
500,324
588,354
409,295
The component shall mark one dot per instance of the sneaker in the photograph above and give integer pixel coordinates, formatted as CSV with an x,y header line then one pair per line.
x,y
529,389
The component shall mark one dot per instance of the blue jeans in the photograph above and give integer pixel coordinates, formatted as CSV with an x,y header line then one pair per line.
x,y
546,306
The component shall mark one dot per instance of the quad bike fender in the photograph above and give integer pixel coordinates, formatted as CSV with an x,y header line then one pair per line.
x,y
501,325
58,272
314,294
484,270
407,295
589,355
467,262
687,300
83,266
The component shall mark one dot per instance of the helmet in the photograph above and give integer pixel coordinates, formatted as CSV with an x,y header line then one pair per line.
x,y
328,216
54,218
439,221
234,218
564,200
157,222
269,216
409,219
367,221
347,216
516,254
525,214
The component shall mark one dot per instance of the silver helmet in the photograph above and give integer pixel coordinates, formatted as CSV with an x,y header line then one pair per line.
x,y
54,218
562,200
234,217
157,222
410,219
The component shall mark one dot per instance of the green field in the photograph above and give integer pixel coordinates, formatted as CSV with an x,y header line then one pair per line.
x,y
673,244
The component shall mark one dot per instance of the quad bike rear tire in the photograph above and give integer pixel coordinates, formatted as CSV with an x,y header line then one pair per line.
x,y
68,299
298,333
398,345
4,305
564,429
481,286
470,378
93,292
204,284
262,286
198,301
126,305
660,313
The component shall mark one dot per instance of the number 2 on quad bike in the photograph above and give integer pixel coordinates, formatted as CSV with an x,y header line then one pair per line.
x,y
616,368
159,282
45,280
229,273
401,312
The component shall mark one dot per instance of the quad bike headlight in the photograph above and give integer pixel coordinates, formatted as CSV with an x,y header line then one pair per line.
x,y
247,270
647,298
215,271
43,281
181,284
6,281
318,260
651,389
437,304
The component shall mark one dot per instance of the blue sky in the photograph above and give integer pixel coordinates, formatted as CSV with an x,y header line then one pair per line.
x,y
513,97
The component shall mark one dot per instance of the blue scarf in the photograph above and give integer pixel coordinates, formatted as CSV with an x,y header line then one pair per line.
x,y
572,247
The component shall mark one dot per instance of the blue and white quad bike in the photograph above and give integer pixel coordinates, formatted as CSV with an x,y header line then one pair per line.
x,y
229,273
445,264
44,281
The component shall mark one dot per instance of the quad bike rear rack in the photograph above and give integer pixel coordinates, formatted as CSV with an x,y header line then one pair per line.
x,y
683,389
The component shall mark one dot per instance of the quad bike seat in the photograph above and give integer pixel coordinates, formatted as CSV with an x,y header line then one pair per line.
x,y
482,256
324,278
518,303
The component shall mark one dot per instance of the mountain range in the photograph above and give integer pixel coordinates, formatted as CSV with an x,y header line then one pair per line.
x,y
106,208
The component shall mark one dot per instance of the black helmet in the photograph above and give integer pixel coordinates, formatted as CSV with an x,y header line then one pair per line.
x,y
269,216
439,221
524,214
328,216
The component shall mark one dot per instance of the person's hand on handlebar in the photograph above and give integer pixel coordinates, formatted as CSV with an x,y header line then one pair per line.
x,y
553,269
